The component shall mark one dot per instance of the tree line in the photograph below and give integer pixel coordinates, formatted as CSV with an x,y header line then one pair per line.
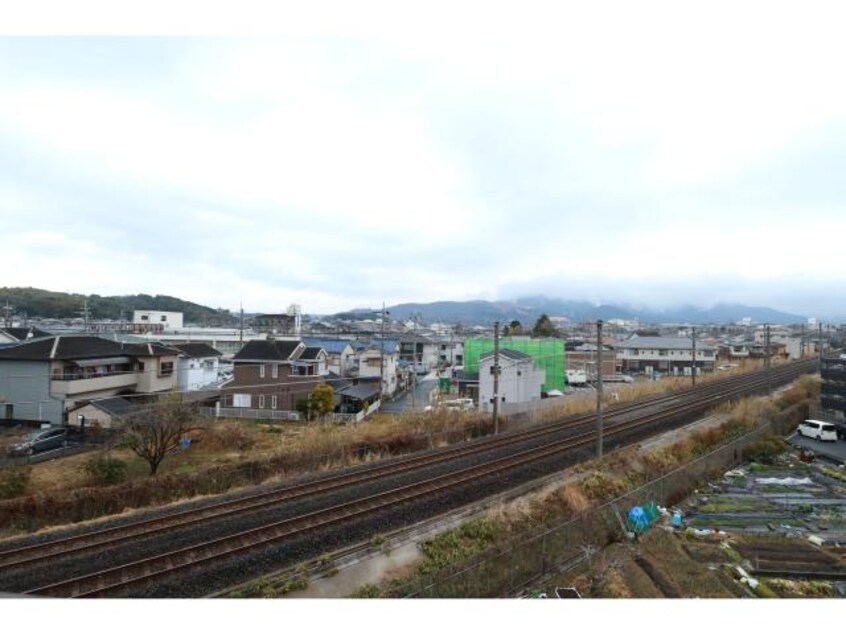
x,y
36,302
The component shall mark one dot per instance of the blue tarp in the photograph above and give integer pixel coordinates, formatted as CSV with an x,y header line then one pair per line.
x,y
641,518
637,520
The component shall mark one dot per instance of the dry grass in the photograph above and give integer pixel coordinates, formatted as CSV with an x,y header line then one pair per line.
x,y
692,578
225,455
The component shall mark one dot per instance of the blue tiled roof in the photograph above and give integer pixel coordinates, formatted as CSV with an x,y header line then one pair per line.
x,y
331,346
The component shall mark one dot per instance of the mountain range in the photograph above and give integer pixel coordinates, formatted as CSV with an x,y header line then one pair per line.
x,y
42,303
528,309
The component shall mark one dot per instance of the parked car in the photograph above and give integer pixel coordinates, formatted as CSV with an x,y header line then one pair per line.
x,y
41,440
819,430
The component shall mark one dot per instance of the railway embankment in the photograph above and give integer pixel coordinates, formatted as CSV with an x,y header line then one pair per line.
x,y
568,517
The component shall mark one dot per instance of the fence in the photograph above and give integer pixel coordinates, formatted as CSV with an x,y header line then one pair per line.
x,y
254,414
508,569
17,461
274,414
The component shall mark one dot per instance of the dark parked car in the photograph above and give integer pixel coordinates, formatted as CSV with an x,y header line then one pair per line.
x,y
42,440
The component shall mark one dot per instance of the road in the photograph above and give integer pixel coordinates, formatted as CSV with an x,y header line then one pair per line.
x,y
832,450
421,396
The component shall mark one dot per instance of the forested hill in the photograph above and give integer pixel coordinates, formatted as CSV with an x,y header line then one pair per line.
x,y
35,302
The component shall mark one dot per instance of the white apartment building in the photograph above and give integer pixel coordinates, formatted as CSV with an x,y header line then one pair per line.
x,y
170,321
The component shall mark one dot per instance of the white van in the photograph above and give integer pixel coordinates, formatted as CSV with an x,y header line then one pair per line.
x,y
819,430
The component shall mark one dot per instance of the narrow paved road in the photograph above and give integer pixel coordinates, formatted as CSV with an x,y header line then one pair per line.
x,y
421,396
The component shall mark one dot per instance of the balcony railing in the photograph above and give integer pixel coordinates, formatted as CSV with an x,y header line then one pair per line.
x,y
70,383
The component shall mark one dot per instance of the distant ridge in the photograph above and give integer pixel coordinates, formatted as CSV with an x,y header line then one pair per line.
x,y
36,302
528,309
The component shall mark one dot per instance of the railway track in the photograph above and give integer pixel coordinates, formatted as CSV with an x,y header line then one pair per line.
x,y
622,422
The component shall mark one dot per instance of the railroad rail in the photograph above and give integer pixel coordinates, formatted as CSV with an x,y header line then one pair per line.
x,y
622,420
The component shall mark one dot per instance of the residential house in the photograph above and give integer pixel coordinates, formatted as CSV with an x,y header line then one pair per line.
x,y
581,359
421,351
198,366
519,380
739,350
106,413
378,358
313,360
43,379
671,355
340,354
467,384
272,374
16,335
450,351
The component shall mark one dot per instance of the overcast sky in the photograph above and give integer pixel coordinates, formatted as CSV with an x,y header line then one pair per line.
x,y
649,155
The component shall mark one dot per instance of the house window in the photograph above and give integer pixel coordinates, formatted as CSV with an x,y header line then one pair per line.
x,y
261,371
261,401
166,368
140,366
273,402
275,370
241,400
164,318
145,317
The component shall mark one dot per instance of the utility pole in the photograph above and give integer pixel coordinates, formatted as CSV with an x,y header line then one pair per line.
x,y
413,386
819,362
802,344
768,361
242,325
7,315
693,366
85,313
496,379
382,357
599,388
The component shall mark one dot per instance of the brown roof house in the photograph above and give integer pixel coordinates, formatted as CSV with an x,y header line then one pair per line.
x,y
272,375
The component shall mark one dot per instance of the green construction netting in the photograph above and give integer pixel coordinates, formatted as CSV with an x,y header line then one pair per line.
x,y
548,354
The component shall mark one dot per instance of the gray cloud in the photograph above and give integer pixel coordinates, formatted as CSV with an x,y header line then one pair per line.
x,y
464,180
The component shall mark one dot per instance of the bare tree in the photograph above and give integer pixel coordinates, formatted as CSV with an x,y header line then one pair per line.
x,y
156,430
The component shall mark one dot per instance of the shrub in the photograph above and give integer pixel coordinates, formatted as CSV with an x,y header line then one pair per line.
x,y
367,591
599,486
105,470
293,585
574,499
14,481
764,450
229,436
